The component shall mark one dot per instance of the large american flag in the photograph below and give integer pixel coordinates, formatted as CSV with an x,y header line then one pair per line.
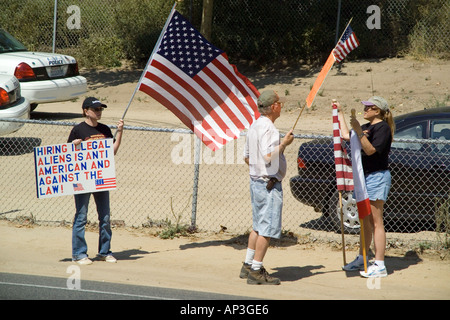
x,y
194,80
346,44
343,165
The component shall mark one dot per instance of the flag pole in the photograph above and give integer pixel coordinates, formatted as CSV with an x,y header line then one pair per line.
x,y
363,244
342,227
149,60
361,223
304,105
301,111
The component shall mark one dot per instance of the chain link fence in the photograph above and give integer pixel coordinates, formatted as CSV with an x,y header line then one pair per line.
x,y
103,32
155,185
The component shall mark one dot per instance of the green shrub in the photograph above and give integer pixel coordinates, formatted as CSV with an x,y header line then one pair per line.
x,y
430,35
100,51
139,24
261,32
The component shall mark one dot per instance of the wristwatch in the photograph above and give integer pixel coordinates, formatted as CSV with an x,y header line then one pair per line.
x,y
361,135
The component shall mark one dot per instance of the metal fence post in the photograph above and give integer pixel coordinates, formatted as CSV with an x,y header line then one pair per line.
x,y
55,13
197,149
338,20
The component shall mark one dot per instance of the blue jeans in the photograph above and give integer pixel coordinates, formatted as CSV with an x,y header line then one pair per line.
x,y
79,246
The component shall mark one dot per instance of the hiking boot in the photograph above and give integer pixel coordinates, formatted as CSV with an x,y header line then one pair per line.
x,y
245,270
261,277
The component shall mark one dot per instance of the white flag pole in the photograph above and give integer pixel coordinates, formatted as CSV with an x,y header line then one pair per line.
x,y
150,59
361,223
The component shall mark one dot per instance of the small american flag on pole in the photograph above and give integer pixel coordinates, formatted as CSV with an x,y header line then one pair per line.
x,y
343,165
346,44
194,80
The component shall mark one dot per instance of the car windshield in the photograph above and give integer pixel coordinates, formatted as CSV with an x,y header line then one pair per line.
x,y
9,44
412,132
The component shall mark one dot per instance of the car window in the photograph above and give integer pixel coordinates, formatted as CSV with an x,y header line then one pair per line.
x,y
9,44
440,130
414,131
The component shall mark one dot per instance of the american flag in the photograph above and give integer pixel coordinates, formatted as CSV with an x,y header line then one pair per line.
x,y
78,187
347,43
194,80
109,183
343,165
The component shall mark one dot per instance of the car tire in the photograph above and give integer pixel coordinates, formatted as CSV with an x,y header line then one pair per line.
x,y
349,212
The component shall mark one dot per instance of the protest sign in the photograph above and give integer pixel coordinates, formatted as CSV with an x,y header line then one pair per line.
x,y
67,169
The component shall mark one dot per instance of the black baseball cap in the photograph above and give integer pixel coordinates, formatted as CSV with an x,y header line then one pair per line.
x,y
92,102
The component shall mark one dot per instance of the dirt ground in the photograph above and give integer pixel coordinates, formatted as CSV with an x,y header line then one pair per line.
x,y
211,262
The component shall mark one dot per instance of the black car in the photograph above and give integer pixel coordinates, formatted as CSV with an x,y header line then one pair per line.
x,y
420,167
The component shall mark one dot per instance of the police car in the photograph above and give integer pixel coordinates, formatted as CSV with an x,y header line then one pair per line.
x,y
12,104
44,77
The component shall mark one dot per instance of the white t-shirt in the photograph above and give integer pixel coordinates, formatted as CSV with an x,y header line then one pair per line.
x,y
262,139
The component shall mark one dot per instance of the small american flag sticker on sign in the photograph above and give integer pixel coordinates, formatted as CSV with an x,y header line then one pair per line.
x,y
105,183
78,187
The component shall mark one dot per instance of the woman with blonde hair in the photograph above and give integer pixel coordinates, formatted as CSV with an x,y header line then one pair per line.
x,y
376,137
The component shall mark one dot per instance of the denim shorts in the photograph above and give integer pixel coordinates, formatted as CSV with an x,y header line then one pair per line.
x,y
266,208
378,185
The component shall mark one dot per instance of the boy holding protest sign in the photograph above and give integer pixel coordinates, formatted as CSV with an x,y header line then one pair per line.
x,y
91,129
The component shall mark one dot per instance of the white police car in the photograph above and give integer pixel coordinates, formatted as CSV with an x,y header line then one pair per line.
x,y
44,77
12,104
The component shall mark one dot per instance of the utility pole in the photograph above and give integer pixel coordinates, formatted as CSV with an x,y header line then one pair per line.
x,y
207,16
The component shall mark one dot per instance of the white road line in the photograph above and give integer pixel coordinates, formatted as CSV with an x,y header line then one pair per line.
x,y
83,290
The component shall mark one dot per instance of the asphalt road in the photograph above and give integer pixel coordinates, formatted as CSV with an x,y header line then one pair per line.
x,y
30,287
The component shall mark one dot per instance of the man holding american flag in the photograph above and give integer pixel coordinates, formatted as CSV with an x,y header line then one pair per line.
x,y
263,153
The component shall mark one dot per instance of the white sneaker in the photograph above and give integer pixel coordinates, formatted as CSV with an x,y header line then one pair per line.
x,y
108,258
84,261
374,271
355,265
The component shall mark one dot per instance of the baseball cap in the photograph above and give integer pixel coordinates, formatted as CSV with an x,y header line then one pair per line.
x,y
378,102
268,98
92,102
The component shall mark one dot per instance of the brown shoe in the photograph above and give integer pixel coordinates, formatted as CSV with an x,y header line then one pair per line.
x,y
261,277
245,270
